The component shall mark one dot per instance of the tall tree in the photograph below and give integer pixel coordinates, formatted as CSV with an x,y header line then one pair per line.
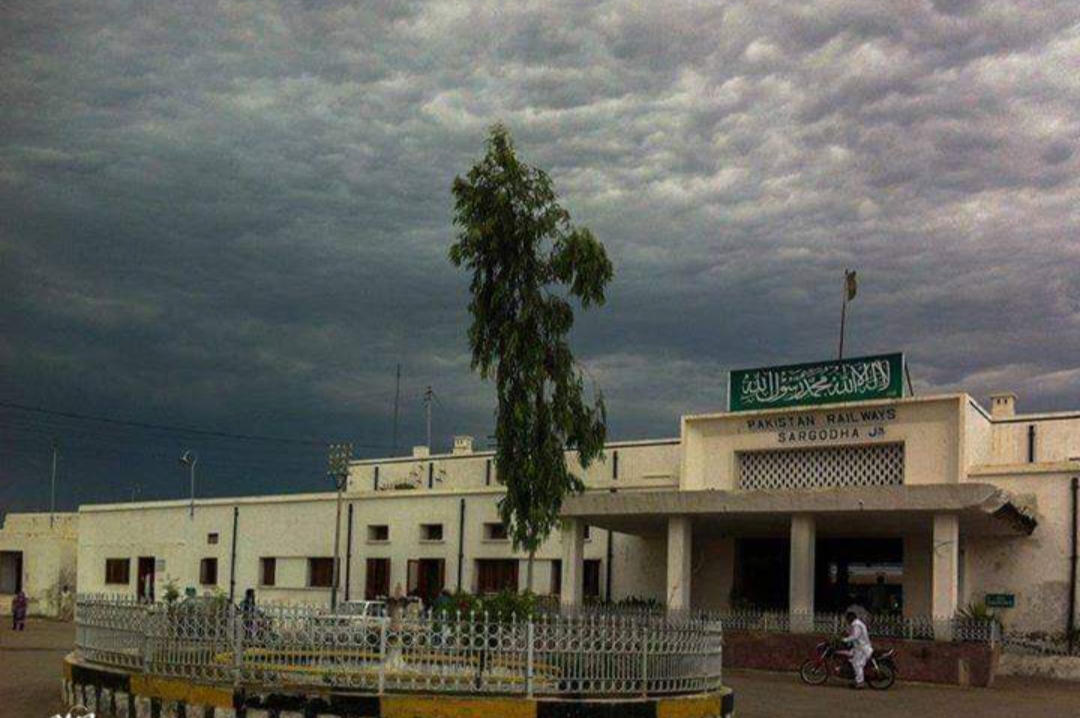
x,y
529,264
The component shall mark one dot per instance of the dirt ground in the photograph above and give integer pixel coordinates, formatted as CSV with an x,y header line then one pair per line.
x,y
30,670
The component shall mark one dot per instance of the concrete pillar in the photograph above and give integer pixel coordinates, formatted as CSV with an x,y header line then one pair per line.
x,y
801,586
917,575
679,547
945,568
573,563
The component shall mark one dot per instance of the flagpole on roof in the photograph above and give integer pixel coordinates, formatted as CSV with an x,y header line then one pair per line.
x,y
851,287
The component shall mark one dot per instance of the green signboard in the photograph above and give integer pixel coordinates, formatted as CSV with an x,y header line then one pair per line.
x,y
1000,600
830,382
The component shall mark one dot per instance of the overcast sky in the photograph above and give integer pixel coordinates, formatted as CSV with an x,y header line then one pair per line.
x,y
236,215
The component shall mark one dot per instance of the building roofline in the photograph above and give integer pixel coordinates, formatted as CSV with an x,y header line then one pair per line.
x,y
488,453
1038,416
325,497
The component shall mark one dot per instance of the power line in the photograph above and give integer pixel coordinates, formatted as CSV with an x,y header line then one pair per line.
x,y
175,428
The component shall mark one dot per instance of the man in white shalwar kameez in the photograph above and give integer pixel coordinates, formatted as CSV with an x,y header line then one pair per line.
x,y
858,641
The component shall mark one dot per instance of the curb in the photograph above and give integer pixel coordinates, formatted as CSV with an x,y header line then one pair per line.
x,y
118,694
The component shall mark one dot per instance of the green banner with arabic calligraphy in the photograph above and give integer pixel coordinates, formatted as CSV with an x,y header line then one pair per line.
x,y
831,382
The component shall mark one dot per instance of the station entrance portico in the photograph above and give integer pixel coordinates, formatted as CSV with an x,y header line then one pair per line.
x,y
893,550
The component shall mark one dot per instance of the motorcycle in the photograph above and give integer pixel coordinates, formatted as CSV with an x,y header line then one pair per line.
x,y
830,659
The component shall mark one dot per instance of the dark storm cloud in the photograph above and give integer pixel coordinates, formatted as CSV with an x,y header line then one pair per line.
x,y
237,214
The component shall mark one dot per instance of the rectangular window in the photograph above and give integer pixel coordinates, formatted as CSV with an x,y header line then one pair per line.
x,y
426,578
431,532
320,572
377,581
495,532
556,577
211,538
495,575
267,571
587,533
117,570
378,532
592,578
208,572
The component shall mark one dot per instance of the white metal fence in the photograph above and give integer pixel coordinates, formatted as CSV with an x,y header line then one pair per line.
x,y
590,654
880,626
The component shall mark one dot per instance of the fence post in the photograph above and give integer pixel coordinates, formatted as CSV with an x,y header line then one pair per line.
x,y
994,634
645,660
529,634
238,644
146,647
382,655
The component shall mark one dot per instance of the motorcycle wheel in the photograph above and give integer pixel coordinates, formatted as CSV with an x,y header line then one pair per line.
x,y
813,673
882,678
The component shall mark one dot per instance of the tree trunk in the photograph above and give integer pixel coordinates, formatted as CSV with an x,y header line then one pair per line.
x,y
529,571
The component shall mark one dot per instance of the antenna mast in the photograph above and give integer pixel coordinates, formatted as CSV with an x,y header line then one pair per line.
x,y
397,403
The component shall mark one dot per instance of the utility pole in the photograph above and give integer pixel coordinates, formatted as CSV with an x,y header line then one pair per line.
x,y
850,289
428,396
338,470
189,459
397,403
52,486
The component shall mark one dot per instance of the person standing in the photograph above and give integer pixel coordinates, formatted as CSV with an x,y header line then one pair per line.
x,y
67,605
19,605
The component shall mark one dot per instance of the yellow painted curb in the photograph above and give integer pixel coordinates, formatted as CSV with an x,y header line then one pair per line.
x,y
453,707
177,690
707,706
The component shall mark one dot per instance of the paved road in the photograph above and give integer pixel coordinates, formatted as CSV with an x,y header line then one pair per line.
x,y
30,688
780,695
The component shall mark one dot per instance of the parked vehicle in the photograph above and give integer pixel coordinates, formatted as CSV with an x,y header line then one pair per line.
x,y
362,609
831,659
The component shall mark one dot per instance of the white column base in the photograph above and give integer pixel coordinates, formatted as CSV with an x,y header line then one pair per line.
x,y
945,572
801,579
572,581
679,547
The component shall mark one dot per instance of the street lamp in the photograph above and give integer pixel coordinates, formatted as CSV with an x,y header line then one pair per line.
x,y
189,459
338,470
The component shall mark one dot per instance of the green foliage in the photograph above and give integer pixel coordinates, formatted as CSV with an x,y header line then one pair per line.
x,y
528,263
978,612
500,605
505,604
645,604
171,593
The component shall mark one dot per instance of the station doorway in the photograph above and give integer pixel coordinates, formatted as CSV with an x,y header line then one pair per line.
x,y
847,571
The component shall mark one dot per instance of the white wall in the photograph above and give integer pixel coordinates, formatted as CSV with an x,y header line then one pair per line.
x,y
641,464
292,529
1035,568
928,427
48,558
1057,438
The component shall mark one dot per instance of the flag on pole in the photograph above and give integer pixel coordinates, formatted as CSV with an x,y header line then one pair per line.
x,y
851,283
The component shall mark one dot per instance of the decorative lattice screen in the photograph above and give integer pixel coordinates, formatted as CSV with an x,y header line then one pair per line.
x,y
874,465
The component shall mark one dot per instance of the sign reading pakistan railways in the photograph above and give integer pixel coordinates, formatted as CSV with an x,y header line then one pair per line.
x,y
833,382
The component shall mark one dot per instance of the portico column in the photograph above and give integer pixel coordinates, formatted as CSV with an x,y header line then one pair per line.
x,y
801,584
945,581
572,581
678,562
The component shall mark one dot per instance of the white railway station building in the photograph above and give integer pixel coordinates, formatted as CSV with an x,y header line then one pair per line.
x,y
914,505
